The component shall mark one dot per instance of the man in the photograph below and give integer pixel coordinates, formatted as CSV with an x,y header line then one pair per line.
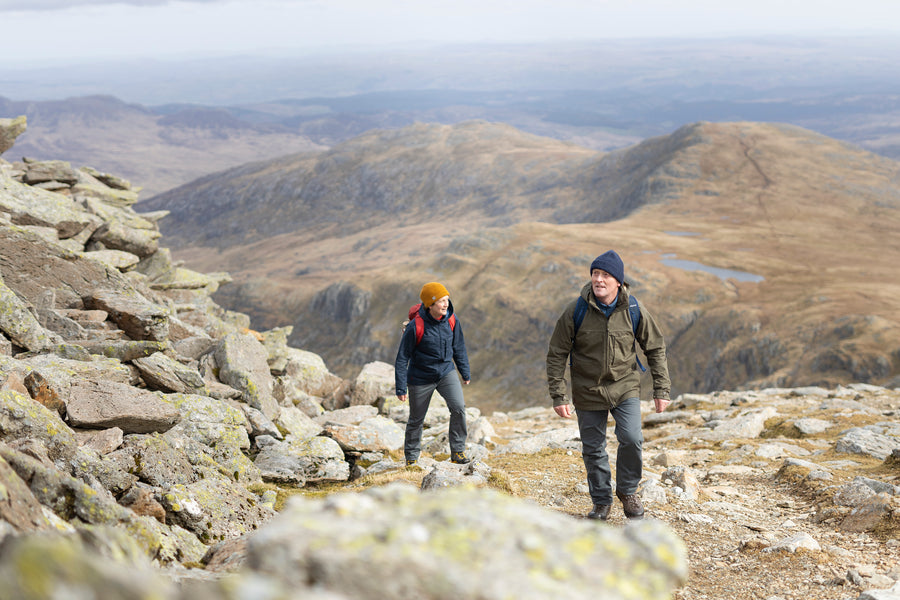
x,y
606,379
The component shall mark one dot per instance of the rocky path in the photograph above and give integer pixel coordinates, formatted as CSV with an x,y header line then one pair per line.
x,y
756,525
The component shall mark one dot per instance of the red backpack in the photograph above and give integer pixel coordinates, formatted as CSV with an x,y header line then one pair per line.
x,y
415,317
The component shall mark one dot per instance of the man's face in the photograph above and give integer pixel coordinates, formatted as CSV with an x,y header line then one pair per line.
x,y
605,286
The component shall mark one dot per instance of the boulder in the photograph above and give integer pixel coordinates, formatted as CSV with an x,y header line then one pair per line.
x,y
60,373
214,510
295,423
352,415
296,462
21,418
103,441
155,460
306,371
103,404
447,474
10,129
375,380
28,205
67,562
139,318
114,259
123,350
872,441
208,421
18,507
375,434
243,364
113,181
40,171
748,424
122,228
166,374
460,542
21,325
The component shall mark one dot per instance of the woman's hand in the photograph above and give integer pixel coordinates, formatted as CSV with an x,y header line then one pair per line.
x,y
661,404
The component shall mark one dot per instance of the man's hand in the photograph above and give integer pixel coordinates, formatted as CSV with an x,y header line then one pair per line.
x,y
401,398
564,410
661,404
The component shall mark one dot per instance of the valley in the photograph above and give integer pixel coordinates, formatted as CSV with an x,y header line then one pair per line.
x,y
337,245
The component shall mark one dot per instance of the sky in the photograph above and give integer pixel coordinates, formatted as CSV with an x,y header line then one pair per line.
x,y
65,31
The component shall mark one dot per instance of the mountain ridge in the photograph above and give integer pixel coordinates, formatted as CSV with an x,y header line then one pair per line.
x,y
764,199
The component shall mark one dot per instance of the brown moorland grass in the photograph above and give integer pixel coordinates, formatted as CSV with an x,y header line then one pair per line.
x,y
812,216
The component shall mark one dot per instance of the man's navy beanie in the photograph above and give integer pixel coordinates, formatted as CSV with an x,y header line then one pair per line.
x,y
610,262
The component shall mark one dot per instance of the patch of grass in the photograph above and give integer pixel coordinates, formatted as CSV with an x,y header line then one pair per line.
x,y
500,480
777,427
887,529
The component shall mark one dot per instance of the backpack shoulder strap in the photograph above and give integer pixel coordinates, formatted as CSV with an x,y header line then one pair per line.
x,y
634,310
578,316
581,307
420,327
452,321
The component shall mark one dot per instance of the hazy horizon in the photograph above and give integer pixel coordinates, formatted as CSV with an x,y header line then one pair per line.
x,y
58,32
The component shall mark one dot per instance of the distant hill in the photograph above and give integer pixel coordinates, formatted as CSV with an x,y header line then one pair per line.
x,y
156,150
185,119
338,243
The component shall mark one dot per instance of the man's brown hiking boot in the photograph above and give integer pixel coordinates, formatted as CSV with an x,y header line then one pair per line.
x,y
460,458
632,505
600,512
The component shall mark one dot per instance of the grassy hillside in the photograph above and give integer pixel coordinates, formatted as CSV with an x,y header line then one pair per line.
x,y
813,217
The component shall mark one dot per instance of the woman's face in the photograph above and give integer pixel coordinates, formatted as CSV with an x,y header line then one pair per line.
x,y
438,310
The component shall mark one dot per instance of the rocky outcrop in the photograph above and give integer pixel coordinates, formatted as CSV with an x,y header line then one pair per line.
x,y
10,129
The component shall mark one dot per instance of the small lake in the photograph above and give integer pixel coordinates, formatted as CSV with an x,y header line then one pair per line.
x,y
723,274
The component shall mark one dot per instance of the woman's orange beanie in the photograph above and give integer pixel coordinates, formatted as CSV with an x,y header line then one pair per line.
x,y
432,292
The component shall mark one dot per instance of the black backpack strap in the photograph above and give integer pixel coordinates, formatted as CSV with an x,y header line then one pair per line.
x,y
634,311
578,316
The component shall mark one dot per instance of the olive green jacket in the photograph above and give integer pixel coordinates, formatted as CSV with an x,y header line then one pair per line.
x,y
604,368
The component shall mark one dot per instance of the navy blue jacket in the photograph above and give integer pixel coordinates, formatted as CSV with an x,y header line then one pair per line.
x,y
434,356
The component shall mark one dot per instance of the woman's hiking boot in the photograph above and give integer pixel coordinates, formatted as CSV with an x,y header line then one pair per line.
x,y
460,458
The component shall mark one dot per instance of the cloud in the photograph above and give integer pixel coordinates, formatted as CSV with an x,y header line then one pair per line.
x,y
52,5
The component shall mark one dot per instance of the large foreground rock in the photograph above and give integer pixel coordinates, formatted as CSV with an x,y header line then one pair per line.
x,y
395,543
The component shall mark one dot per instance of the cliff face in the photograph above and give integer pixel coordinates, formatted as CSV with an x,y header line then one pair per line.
x,y
510,222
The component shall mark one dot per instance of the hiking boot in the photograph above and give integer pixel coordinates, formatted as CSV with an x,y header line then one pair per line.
x,y
410,462
459,458
600,512
632,505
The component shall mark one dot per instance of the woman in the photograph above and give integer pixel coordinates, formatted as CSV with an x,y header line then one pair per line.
x,y
427,360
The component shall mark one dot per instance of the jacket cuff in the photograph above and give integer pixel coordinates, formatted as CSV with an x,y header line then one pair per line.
x,y
662,394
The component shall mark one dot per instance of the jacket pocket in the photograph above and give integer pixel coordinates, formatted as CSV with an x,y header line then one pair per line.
x,y
621,354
